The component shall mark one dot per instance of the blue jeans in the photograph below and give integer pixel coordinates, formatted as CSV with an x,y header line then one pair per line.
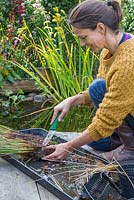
x,y
97,91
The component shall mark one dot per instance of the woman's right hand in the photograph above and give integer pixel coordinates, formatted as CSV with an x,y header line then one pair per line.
x,y
63,108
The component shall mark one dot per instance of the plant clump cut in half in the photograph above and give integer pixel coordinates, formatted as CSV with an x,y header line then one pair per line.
x,y
15,142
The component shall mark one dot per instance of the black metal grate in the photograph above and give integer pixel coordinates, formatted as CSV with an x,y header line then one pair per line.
x,y
127,180
100,187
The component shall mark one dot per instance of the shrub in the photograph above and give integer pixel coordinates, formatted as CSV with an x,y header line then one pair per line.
x,y
128,10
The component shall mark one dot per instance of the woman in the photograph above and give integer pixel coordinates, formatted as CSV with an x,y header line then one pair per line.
x,y
96,23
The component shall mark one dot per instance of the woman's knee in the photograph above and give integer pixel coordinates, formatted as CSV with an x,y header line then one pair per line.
x,y
97,90
96,84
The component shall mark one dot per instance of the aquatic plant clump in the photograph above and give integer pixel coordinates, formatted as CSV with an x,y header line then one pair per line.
x,y
14,142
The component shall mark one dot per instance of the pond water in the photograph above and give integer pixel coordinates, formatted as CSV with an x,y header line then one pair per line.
x,y
13,116
22,117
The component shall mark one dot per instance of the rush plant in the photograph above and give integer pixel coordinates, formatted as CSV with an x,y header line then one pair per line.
x,y
67,68
14,142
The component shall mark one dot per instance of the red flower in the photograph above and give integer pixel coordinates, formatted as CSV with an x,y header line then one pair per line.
x,y
19,2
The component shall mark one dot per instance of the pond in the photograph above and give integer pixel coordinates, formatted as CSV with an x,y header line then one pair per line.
x,y
25,115
13,116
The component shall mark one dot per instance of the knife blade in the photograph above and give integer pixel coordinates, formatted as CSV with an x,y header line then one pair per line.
x,y
51,131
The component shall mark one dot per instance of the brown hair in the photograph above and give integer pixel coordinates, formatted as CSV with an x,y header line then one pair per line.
x,y
90,12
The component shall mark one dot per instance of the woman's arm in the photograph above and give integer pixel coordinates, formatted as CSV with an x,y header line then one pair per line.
x,y
61,150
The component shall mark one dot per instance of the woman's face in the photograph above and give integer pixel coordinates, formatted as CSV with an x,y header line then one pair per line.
x,y
95,39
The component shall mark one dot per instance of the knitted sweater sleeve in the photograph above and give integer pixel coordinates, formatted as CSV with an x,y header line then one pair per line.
x,y
87,100
119,99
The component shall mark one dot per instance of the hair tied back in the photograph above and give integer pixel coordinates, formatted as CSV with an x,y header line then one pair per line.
x,y
109,3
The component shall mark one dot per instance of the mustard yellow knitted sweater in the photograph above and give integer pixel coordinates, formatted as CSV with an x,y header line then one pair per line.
x,y
118,71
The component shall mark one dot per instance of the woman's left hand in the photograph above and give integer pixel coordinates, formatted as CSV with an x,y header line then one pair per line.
x,y
60,151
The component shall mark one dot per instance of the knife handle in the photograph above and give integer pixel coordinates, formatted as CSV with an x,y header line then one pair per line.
x,y
55,123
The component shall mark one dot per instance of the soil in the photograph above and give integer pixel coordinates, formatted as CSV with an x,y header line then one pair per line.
x,y
70,175
80,170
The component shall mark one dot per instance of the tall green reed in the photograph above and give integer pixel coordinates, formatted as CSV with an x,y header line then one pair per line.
x,y
68,69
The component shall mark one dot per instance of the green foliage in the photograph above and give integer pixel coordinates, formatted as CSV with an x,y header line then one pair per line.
x,y
36,13
5,7
11,46
12,99
61,4
128,10
7,72
69,65
44,39
68,69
